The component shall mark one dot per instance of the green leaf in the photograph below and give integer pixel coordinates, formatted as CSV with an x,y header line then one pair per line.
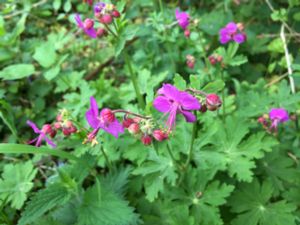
x,y
28,149
43,201
253,203
45,54
195,81
214,86
179,82
125,35
159,169
238,60
16,182
17,71
233,145
6,114
56,4
109,210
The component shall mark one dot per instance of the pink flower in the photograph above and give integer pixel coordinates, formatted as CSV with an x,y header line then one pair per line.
x,y
46,129
231,32
87,26
102,120
172,101
182,19
278,115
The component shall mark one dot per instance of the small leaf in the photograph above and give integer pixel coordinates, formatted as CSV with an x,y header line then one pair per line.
x,y
179,82
17,71
214,86
45,54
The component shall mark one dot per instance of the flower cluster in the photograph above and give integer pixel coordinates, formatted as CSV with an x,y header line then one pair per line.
x,y
232,32
215,58
183,20
170,101
190,61
61,123
276,116
104,13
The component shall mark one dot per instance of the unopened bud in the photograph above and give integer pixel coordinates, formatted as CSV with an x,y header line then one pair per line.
x,y
66,131
57,125
47,129
88,23
106,19
213,102
190,61
159,135
134,128
115,13
203,108
53,133
240,26
108,116
212,60
187,33
146,139
127,122
59,118
101,32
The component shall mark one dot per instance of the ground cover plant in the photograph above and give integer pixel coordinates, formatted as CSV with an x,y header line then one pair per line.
x,y
150,112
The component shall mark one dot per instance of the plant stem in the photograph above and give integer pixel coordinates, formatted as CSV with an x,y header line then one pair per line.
x,y
161,6
190,153
134,82
131,113
106,158
113,33
223,98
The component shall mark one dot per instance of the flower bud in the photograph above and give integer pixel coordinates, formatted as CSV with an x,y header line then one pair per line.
x,y
53,133
137,119
68,124
134,128
212,60
190,61
127,122
146,139
213,102
101,32
47,129
219,58
187,33
73,129
203,108
159,135
57,125
88,23
59,118
66,131
115,13
108,116
240,26
106,19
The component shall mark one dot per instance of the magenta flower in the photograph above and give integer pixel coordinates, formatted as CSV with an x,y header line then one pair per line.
x,y
42,134
87,26
102,120
182,18
231,32
98,7
278,115
173,101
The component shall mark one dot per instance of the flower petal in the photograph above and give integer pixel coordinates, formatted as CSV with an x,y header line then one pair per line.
x,y
91,32
231,28
189,102
239,38
33,126
225,39
51,143
115,128
92,114
79,21
170,91
162,104
189,117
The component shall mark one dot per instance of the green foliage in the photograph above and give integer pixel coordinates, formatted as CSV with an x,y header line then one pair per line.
x,y
253,203
16,182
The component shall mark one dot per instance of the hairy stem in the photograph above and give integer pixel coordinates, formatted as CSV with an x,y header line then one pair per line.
x,y
106,157
134,82
131,113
